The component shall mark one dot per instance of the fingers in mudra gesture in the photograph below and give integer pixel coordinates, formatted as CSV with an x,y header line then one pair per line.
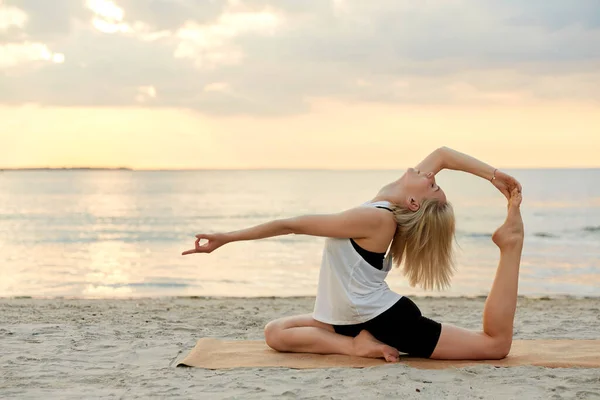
x,y
214,241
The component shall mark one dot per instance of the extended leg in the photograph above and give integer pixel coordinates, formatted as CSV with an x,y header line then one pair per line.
x,y
501,304
499,310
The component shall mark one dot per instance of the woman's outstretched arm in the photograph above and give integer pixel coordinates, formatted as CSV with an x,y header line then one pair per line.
x,y
446,158
360,222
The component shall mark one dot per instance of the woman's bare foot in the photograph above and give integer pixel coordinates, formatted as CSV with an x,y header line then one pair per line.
x,y
365,345
511,233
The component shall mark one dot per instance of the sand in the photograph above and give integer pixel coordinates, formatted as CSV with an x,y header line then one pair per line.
x,y
128,349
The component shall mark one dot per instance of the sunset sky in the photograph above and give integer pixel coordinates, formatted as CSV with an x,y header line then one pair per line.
x,y
298,84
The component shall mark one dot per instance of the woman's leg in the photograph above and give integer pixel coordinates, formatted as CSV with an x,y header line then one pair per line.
x,y
499,311
303,334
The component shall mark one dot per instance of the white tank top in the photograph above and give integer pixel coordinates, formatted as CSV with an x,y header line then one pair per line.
x,y
351,290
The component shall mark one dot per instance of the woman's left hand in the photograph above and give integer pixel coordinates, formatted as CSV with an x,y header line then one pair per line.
x,y
215,240
506,183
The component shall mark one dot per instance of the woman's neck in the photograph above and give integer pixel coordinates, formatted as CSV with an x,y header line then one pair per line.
x,y
391,193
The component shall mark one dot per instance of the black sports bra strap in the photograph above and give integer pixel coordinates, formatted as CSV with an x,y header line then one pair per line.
x,y
385,208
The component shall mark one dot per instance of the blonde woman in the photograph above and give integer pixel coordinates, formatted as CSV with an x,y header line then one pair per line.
x,y
355,311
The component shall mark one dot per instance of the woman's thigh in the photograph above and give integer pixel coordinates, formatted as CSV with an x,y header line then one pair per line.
x,y
296,321
457,343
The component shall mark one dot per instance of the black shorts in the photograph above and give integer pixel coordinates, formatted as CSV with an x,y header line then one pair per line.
x,y
401,326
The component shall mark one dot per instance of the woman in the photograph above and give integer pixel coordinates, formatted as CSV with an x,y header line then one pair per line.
x,y
355,311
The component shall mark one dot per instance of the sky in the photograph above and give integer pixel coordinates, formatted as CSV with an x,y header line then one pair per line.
x,y
340,84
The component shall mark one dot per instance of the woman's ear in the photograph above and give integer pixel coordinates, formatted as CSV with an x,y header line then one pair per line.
x,y
413,205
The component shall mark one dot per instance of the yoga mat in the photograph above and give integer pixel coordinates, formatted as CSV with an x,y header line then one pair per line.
x,y
221,354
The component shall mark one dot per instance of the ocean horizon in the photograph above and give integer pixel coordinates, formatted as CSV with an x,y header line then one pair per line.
x,y
120,233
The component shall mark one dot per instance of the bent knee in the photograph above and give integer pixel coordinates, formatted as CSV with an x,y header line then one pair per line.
x,y
499,348
272,335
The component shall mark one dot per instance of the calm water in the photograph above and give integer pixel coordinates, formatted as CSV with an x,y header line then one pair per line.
x,y
121,233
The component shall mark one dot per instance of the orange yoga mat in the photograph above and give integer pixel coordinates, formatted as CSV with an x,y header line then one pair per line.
x,y
221,354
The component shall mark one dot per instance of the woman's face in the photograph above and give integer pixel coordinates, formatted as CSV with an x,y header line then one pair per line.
x,y
422,185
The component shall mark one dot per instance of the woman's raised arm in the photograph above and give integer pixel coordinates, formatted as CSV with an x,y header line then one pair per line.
x,y
446,158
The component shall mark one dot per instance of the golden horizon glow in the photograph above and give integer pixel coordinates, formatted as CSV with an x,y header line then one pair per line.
x,y
332,135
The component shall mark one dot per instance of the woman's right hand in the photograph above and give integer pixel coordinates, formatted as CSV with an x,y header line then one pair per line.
x,y
215,241
506,183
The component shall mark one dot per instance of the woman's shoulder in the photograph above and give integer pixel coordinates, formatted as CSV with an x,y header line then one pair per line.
x,y
384,204
382,211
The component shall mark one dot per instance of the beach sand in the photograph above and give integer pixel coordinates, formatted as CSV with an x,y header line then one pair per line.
x,y
128,349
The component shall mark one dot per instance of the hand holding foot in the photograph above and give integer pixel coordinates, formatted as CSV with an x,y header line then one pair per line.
x,y
505,183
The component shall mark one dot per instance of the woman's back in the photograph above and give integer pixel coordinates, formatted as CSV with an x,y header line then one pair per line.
x,y
351,290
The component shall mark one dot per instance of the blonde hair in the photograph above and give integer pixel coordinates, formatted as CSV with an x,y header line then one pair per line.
x,y
423,243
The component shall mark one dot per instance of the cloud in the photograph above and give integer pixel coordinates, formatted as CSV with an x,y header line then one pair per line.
x,y
221,87
553,15
145,94
210,45
12,55
272,57
48,21
11,17
16,53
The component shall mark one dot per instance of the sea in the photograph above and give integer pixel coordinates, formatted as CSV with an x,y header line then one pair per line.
x,y
120,233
